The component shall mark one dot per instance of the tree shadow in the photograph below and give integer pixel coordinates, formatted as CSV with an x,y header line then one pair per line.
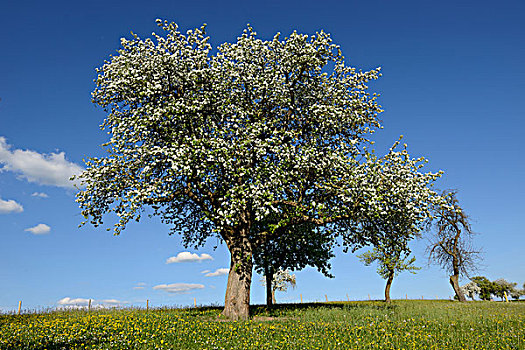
x,y
261,311
279,309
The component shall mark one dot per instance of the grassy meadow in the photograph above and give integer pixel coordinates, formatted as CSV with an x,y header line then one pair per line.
x,y
412,324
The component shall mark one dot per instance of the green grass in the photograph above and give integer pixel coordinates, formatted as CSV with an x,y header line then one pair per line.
x,y
353,325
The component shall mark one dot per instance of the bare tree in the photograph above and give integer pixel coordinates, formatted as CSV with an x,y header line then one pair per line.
x,y
451,241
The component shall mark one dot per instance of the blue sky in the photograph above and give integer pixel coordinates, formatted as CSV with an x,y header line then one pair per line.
x,y
453,84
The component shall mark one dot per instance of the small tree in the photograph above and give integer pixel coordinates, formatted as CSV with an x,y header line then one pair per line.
x,y
516,293
306,246
471,289
393,228
486,287
281,279
502,287
390,262
451,246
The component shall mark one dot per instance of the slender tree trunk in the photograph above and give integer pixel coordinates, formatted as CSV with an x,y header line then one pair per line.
x,y
268,275
454,282
387,288
273,296
237,300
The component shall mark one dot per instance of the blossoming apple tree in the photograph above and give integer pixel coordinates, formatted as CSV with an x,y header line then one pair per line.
x,y
215,142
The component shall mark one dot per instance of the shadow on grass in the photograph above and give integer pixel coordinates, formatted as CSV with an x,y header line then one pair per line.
x,y
290,308
280,309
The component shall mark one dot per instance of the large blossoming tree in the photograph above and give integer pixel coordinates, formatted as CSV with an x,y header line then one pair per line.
x,y
269,134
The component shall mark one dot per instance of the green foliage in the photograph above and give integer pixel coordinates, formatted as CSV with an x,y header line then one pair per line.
x,y
498,288
390,262
294,249
517,293
486,286
502,287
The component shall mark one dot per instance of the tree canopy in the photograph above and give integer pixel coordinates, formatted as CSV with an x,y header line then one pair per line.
x,y
503,288
486,287
471,289
260,131
307,245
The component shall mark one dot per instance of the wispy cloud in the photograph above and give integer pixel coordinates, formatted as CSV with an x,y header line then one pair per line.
x,y
188,257
140,285
10,206
178,287
46,169
110,302
39,229
39,194
218,272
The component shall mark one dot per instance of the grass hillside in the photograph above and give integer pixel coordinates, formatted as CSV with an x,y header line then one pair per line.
x,y
343,325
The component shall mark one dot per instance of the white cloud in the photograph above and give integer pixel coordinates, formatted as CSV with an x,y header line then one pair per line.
x,y
40,194
82,302
10,206
46,169
205,271
39,229
178,287
67,301
218,272
187,257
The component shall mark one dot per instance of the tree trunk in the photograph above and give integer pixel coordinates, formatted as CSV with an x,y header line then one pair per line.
x,y
387,288
454,281
273,296
268,275
237,300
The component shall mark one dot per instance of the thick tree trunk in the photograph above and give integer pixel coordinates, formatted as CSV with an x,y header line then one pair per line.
x,y
387,287
454,282
237,300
